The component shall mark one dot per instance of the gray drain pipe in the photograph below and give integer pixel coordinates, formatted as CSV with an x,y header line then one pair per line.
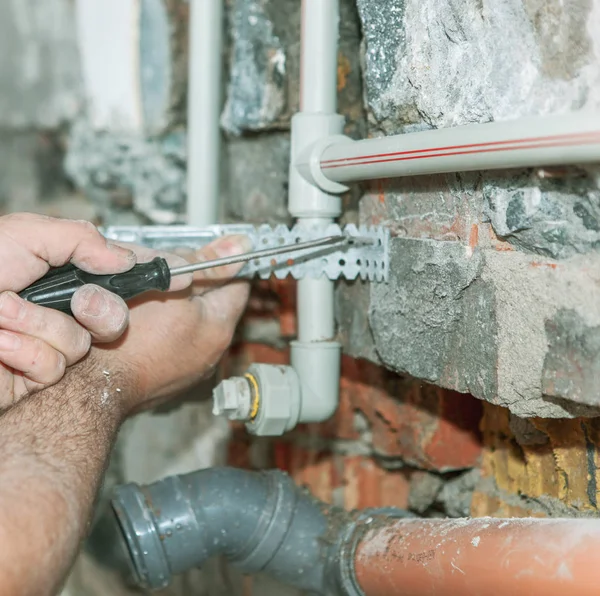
x,y
260,521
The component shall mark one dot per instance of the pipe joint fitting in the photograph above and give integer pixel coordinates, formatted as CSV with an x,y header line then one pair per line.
x,y
307,198
277,399
268,398
260,521
317,365
309,164
273,399
343,571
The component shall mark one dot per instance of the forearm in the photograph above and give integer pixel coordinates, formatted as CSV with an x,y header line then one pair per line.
x,y
54,447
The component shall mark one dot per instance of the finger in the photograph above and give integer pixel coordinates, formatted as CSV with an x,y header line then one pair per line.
x,y
228,303
30,243
104,314
52,327
32,357
222,311
215,277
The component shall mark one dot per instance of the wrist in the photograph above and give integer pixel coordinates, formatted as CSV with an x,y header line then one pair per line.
x,y
112,388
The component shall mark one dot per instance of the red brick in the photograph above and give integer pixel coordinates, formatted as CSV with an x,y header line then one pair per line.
x,y
315,470
395,489
427,426
274,299
238,448
368,485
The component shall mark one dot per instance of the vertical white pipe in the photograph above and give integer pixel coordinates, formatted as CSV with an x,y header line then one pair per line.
x,y
316,355
318,95
316,314
318,76
204,106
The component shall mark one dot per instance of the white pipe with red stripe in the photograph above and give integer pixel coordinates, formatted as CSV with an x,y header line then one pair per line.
x,y
547,141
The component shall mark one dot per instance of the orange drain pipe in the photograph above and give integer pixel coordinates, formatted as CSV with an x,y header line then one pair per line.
x,y
480,557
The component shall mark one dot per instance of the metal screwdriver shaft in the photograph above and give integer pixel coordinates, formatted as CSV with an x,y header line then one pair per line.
x,y
259,254
58,286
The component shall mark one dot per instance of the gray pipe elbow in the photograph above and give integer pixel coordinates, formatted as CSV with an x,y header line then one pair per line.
x,y
259,520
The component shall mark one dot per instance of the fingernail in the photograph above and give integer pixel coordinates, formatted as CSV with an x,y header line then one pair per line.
x,y
11,306
9,342
122,252
95,303
233,245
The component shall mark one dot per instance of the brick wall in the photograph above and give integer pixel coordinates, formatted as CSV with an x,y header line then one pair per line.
x,y
394,441
470,290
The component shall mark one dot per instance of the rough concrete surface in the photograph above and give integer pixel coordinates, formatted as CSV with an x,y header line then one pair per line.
x,y
556,216
477,322
256,90
530,292
484,329
450,62
572,363
257,180
456,495
418,318
125,171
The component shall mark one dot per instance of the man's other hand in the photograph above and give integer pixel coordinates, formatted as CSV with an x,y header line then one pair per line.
x,y
174,340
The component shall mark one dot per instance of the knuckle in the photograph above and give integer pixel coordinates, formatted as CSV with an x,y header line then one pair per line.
x,y
117,316
61,364
225,337
83,344
56,372
18,217
87,227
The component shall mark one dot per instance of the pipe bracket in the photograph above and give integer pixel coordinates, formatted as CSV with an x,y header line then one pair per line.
x,y
369,261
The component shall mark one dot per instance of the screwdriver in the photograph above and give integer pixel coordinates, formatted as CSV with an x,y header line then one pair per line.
x,y
57,287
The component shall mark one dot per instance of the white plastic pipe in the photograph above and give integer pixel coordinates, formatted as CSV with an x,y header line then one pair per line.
x,y
315,356
204,106
316,315
555,140
319,42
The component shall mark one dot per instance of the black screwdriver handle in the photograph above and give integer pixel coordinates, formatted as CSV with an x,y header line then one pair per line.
x,y
57,287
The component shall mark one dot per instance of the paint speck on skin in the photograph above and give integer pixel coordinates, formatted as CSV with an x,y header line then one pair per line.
x,y
503,525
475,542
456,567
104,398
564,572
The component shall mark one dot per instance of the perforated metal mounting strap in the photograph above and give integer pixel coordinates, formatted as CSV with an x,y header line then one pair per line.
x,y
369,261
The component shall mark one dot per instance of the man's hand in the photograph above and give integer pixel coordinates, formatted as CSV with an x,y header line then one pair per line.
x,y
175,340
55,444
36,343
